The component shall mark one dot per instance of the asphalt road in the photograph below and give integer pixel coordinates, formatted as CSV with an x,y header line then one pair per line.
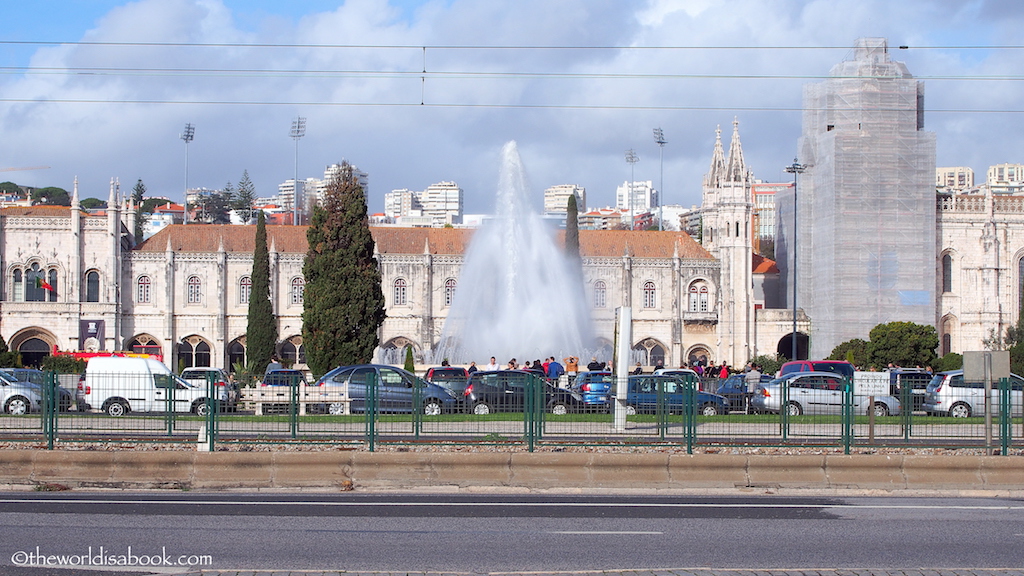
x,y
510,533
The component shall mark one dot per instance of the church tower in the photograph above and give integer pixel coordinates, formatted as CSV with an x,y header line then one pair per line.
x,y
727,233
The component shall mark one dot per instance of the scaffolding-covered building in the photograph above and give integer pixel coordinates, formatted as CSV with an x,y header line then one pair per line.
x,y
866,202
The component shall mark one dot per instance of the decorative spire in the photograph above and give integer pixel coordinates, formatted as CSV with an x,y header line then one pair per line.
x,y
736,167
75,205
717,169
112,200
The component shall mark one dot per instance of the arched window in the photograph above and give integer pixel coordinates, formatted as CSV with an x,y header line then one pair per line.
x,y
600,294
53,284
244,289
143,290
693,300
947,273
697,300
947,344
703,298
195,290
449,291
650,295
92,286
19,287
400,292
34,291
298,286
194,351
236,354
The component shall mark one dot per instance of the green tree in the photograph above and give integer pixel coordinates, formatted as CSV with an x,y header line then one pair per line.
x,y
572,230
410,362
244,198
343,304
8,358
769,364
857,348
51,196
149,205
138,192
951,361
261,333
903,344
10,188
62,364
92,203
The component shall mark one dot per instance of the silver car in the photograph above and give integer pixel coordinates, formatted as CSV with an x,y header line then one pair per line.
x,y
949,395
18,398
816,393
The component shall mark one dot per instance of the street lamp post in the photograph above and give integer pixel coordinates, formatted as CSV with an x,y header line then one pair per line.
x,y
632,158
659,138
795,168
187,135
298,131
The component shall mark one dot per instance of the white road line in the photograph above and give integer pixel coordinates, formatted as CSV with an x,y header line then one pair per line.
x,y
574,504
604,532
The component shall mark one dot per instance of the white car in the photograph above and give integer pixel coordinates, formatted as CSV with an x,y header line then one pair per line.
x,y
816,393
19,398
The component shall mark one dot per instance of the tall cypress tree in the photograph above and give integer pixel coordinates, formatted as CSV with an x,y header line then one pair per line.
x,y
572,229
343,305
261,334
138,192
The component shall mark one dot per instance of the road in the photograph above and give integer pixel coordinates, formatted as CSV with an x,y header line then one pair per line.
x,y
515,533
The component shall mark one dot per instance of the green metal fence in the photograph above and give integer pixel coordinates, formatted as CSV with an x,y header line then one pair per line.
x,y
678,413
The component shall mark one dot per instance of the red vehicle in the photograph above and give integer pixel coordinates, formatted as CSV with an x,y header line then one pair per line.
x,y
841,367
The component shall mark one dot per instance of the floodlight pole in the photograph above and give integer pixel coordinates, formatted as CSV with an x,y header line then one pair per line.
x,y
632,158
187,135
659,138
297,132
795,168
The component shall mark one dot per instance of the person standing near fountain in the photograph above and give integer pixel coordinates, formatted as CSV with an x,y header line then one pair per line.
x,y
572,366
493,365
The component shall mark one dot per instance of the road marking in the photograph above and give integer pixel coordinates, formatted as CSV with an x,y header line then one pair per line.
x,y
573,504
603,532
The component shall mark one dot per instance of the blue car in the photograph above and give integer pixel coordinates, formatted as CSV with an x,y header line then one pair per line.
x,y
394,390
594,388
642,397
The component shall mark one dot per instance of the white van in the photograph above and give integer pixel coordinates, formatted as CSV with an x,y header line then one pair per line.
x,y
119,385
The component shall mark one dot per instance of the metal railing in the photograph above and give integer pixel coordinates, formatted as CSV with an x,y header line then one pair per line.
x,y
662,412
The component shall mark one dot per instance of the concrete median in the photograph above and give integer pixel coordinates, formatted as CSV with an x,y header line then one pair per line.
x,y
456,471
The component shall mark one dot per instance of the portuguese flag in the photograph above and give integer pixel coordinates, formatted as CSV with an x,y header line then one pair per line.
x,y
40,283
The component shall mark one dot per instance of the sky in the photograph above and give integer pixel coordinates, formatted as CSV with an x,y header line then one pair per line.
x,y
415,92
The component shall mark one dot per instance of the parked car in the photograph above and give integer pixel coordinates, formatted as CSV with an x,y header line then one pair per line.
x,y
915,380
19,398
734,388
594,388
395,390
119,385
642,396
948,394
37,378
451,378
841,367
505,391
816,393
226,389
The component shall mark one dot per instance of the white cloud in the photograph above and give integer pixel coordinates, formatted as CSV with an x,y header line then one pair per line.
x,y
363,104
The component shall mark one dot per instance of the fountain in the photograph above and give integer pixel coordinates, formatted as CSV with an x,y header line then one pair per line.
x,y
518,295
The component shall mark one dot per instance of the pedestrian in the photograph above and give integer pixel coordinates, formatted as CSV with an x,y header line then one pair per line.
x,y
492,366
595,365
752,379
572,365
275,364
725,371
472,368
638,370
555,369
512,365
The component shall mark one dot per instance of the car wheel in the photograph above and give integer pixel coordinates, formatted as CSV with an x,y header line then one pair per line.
x,y
709,410
881,409
199,408
116,408
559,409
336,408
794,409
960,410
630,410
432,408
481,408
17,405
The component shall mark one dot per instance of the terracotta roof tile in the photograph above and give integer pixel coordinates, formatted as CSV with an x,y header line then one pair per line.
x,y
396,240
763,265
44,211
